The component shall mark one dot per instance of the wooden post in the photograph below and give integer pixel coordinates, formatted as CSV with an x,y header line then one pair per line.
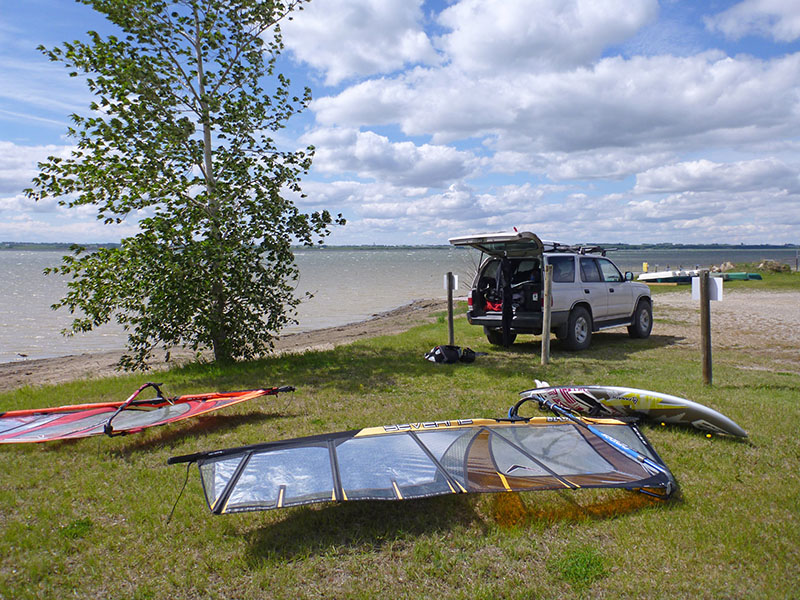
x,y
451,335
548,288
705,324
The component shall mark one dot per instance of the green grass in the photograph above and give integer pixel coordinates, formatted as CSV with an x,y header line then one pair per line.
x,y
580,566
87,518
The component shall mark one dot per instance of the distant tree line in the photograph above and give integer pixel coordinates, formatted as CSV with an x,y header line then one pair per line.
x,y
60,246
619,246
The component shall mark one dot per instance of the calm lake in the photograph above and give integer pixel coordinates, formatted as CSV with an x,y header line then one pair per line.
x,y
348,285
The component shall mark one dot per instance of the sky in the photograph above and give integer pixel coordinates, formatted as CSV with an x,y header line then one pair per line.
x,y
582,120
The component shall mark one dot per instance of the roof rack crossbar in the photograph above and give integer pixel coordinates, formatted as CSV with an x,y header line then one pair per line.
x,y
576,249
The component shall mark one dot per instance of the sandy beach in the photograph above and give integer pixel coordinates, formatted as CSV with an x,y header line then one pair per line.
x,y
766,323
82,366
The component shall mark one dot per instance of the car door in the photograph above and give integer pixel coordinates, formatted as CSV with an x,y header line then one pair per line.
x,y
595,290
620,298
565,288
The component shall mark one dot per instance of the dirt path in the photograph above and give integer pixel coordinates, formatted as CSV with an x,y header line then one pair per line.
x,y
762,323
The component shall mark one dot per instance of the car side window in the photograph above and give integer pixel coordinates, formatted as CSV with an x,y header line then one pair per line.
x,y
563,268
610,272
589,271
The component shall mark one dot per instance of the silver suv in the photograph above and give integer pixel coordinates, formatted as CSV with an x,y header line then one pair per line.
x,y
589,293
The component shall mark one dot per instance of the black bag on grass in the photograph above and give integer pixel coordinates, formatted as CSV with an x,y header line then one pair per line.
x,y
450,354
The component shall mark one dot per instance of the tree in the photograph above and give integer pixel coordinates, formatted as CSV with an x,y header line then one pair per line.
x,y
179,136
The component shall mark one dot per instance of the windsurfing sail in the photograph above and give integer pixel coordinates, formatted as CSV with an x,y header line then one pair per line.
x,y
401,462
615,402
116,418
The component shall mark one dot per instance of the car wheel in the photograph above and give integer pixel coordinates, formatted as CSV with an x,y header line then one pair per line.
x,y
642,323
579,329
495,336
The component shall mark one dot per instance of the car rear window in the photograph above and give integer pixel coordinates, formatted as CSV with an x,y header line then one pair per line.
x,y
563,268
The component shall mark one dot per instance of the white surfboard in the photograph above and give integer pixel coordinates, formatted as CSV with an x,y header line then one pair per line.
x,y
610,401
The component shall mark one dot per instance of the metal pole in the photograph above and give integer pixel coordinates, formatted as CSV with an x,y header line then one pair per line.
x,y
705,325
548,287
450,309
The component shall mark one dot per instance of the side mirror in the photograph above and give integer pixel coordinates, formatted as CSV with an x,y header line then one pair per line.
x,y
628,276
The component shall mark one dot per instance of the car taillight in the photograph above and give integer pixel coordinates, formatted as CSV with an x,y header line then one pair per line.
x,y
469,301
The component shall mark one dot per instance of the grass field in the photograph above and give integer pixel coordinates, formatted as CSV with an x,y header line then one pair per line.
x,y
88,518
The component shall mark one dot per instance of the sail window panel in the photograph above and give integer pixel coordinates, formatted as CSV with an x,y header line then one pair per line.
x,y
131,418
562,449
282,478
216,474
70,425
628,436
510,461
450,449
388,468
22,426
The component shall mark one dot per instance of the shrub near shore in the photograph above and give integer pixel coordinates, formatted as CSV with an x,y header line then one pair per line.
x,y
88,518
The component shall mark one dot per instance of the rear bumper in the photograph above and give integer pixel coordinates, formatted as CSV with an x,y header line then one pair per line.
x,y
520,323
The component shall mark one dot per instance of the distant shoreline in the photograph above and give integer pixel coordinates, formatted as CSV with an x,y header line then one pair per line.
x,y
66,246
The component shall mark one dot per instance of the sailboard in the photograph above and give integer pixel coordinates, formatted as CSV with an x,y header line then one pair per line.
x,y
417,460
615,402
116,418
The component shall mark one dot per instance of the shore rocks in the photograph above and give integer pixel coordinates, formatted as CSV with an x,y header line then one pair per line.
x,y
726,267
773,266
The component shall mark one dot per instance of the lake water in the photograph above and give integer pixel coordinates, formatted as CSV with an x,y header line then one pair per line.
x,y
348,285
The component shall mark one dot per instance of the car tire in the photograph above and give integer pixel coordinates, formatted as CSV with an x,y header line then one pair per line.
x,y
495,336
642,322
579,329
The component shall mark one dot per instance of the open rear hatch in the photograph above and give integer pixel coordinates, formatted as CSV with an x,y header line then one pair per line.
x,y
508,284
513,244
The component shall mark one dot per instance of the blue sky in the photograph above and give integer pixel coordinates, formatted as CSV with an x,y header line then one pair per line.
x,y
581,120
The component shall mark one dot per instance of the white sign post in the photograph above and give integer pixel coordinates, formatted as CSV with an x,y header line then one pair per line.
x,y
714,288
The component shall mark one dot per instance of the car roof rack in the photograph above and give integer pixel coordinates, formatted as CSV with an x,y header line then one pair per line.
x,y
575,249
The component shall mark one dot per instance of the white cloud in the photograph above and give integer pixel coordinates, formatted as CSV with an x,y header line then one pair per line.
x,y
353,38
374,156
62,227
691,101
707,176
540,35
712,216
606,163
18,164
776,19
459,208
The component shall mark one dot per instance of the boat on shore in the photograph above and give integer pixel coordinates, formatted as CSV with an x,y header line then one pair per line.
x,y
685,276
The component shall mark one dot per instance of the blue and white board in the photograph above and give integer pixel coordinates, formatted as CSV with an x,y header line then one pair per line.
x,y
609,401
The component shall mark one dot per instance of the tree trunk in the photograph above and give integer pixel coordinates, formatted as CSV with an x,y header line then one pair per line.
x,y
222,350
